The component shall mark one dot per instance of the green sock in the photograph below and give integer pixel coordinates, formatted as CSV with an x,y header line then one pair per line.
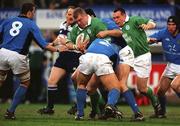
x,y
101,103
101,100
94,102
152,97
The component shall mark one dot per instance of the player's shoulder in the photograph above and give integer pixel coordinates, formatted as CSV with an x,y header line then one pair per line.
x,y
135,17
95,19
75,27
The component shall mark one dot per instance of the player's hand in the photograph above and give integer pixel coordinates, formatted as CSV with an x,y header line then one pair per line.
x,y
61,39
144,26
62,48
83,45
101,34
152,40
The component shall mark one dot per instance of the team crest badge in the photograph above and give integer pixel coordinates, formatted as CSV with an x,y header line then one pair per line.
x,y
127,27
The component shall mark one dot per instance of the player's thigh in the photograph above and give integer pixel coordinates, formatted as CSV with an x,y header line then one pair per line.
x,y
171,70
122,72
169,78
126,56
143,65
3,75
13,60
19,63
176,83
55,75
164,85
93,84
142,84
4,64
87,62
110,81
24,78
74,75
82,80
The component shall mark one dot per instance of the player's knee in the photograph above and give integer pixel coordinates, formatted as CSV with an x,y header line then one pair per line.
x,y
91,89
52,81
122,87
25,83
142,90
176,87
160,92
24,78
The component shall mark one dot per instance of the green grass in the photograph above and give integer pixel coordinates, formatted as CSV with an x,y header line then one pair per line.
x,y
27,116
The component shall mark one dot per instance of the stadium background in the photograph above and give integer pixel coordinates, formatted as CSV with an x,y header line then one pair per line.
x,y
50,14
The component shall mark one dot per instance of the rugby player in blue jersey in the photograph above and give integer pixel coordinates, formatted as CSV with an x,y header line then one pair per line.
x,y
170,39
16,36
97,61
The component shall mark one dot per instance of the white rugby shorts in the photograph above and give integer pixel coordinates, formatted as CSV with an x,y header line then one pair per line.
x,y
142,64
95,63
12,60
171,70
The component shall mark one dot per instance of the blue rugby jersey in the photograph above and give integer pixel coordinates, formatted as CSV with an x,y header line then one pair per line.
x,y
17,34
101,46
170,44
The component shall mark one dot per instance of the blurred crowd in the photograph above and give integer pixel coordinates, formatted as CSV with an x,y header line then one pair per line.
x,y
58,4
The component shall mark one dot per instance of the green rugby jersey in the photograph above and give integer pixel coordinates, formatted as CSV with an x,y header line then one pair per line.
x,y
94,26
136,37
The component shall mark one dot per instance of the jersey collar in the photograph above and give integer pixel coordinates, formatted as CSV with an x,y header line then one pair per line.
x,y
127,18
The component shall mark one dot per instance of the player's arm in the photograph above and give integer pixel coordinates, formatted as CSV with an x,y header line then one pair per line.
x,y
41,41
144,23
71,40
156,37
152,40
112,33
149,25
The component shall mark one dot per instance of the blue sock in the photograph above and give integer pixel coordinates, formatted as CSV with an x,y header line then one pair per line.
x,y
131,101
162,100
178,94
113,96
81,100
18,96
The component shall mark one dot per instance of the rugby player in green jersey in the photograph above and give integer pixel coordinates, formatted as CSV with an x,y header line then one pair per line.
x,y
138,56
86,28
